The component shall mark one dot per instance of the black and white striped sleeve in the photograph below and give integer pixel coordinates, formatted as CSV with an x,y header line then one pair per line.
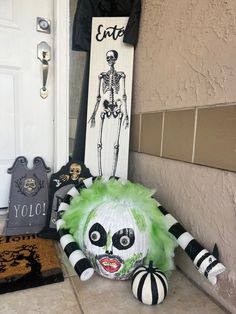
x,y
76,257
203,260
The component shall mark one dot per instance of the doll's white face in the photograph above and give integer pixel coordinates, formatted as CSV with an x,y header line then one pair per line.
x,y
113,242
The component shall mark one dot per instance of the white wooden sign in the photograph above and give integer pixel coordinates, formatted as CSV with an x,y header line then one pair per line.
x,y
109,98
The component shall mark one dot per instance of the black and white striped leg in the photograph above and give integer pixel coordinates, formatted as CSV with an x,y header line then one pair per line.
x,y
76,257
203,260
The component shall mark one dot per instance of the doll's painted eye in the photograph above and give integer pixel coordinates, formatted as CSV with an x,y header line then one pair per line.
x,y
95,236
98,235
123,239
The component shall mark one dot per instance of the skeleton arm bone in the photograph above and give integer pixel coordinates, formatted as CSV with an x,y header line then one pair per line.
x,y
64,177
124,98
92,118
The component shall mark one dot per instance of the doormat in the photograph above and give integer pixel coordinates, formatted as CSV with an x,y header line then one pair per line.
x,y
28,261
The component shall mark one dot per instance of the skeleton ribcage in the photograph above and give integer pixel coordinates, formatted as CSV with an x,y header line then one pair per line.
x,y
111,82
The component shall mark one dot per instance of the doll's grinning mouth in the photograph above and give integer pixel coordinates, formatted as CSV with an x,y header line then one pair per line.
x,y
110,264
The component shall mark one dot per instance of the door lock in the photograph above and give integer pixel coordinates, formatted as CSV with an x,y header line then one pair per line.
x,y
43,25
44,55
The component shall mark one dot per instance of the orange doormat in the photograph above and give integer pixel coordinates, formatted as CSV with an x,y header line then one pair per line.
x,y
28,261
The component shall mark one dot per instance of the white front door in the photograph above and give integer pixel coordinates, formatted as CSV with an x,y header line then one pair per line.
x,y
26,119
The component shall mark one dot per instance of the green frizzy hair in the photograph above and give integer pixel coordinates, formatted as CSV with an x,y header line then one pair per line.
x,y
143,207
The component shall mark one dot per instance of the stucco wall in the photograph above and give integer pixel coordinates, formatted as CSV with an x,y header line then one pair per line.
x,y
186,58
186,54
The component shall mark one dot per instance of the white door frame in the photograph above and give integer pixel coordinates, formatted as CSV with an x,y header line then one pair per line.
x,y
61,103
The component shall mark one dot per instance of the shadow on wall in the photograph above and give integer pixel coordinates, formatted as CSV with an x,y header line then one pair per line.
x,y
77,99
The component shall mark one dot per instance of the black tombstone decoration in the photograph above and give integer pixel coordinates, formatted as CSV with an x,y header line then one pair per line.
x,y
28,197
60,183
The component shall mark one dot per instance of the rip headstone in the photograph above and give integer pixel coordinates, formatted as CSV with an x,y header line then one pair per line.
x,y
28,203
60,183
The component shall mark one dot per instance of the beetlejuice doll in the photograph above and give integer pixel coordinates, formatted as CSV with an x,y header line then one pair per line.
x,y
116,228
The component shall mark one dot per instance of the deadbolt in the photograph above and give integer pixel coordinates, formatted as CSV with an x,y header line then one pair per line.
x,y
43,25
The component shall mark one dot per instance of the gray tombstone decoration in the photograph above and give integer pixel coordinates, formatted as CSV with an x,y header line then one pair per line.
x,y
28,197
61,182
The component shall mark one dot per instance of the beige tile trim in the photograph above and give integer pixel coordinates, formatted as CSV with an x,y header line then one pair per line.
x,y
151,131
139,135
162,132
195,123
216,137
135,133
194,134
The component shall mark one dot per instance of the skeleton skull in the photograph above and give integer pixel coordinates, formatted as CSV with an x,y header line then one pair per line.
x,y
111,56
75,170
30,185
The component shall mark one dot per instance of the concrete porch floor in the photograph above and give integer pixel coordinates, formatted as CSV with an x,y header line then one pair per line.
x,y
100,295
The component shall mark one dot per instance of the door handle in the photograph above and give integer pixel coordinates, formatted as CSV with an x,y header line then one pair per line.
x,y
44,55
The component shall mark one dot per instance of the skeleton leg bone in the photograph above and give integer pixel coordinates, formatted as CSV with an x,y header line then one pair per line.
x,y
99,145
117,144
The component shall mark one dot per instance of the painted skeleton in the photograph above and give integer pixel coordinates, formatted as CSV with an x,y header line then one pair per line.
x,y
112,107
